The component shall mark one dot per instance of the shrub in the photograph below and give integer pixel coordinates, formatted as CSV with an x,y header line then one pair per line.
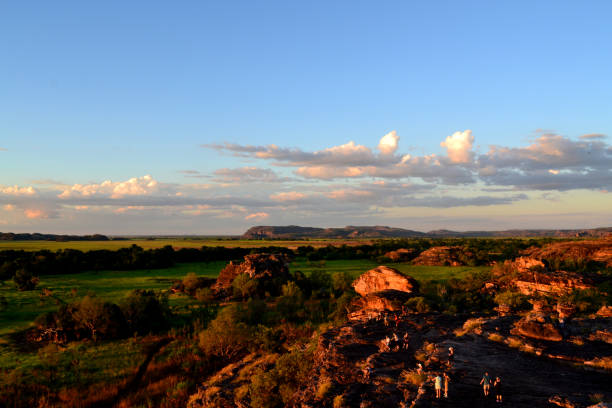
x,y
99,318
470,326
324,387
290,303
339,401
205,295
418,304
226,337
145,311
24,280
191,283
586,301
413,377
263,390
340,306
243,286
341,282
515,300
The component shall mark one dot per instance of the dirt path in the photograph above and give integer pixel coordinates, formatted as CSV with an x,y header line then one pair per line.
x,y
134,383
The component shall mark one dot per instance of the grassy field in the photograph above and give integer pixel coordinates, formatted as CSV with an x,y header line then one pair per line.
x,y
176,243
23,307
359,266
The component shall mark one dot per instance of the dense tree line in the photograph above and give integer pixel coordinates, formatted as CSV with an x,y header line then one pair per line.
x,y
24,266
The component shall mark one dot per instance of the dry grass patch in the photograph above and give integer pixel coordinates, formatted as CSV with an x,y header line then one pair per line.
x,y
413,377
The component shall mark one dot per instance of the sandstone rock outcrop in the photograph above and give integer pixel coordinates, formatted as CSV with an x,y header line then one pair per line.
x,y
537,324
596,250
439,256
401,255
373,304
605,311
361,375
384,278
537,330
552,283
264,268
525,264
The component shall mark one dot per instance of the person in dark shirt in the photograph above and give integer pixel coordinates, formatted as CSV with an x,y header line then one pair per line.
x,y
497,388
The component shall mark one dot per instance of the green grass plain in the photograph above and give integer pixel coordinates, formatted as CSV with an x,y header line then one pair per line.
x,y
23,307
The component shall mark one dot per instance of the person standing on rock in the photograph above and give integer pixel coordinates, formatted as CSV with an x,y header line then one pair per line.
x,y
451,356
446,381
486,383
438,386
497,387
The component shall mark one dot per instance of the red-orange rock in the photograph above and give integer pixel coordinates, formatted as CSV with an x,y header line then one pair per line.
x,y
537,330
554,283
605,311
373,304
401,255
383,278
439,256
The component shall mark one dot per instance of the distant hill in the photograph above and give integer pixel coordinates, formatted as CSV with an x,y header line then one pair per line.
x,y
297,232
10,236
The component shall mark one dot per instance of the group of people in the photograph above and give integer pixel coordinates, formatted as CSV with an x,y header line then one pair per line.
x,y
497,386
441,381
395,343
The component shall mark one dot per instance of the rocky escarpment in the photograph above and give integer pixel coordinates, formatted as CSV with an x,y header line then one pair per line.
x,y
439,256
598,251
531,277
354,369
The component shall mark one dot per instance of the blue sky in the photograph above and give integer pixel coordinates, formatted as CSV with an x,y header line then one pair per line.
x,y
122,90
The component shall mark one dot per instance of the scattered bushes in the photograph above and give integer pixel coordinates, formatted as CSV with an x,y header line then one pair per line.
x,y
515,300
90,317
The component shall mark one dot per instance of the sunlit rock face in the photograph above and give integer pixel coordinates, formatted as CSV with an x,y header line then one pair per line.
x,y
553,283
374,304
440,256
384,278
597,251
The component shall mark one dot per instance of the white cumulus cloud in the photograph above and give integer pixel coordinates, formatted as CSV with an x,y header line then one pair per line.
x,y
459,146
388,143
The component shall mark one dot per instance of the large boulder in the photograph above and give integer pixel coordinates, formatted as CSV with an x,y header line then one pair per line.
x,y
440,256
401,255
374,304
537,324
384,278
538,330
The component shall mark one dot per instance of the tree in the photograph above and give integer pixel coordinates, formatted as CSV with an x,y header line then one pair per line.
x,y
24,280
